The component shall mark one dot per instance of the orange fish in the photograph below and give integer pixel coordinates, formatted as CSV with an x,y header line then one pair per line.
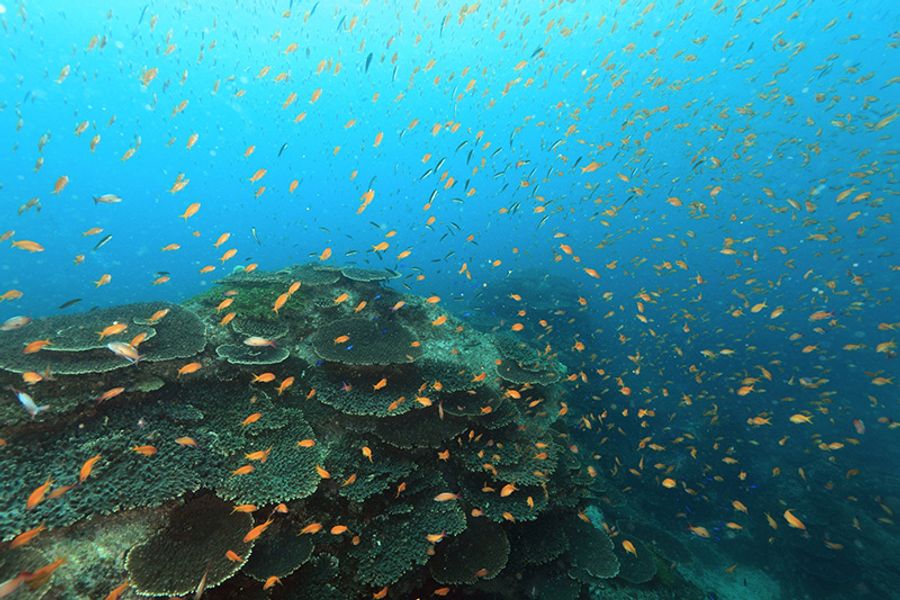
x,y
145,450
280,302
27,536
35,346
311,529
793,521
189,368
117,592
27,245
257,531
285,384
110,393
190,211
87,468
699,531
60,184
251,419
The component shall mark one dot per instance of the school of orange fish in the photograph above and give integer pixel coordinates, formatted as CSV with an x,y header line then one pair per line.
x,y
728,226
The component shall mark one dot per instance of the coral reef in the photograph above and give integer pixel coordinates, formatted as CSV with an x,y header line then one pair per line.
x,y
330,438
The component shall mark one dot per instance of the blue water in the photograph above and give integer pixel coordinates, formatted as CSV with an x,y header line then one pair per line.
x,y
755,116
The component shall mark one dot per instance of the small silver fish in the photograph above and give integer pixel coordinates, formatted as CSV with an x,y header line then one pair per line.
x,y
14,323
125,350
107,199
28,403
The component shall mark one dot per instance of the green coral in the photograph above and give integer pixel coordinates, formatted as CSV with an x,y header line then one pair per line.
x,y
421,429
121,479
591,554
368,275
396,540
364,342
354,393
247,327
279,552
537,542
479,552
636,568
191,547
241,354
369,477
77,349
287,473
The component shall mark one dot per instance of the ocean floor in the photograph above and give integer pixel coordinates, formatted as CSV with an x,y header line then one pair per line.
x,y
744,583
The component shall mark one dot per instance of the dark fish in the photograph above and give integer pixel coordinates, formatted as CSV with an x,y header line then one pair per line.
x,y
283,146
341,23
69,303
426,174
368,61
697,164
253,233
440,164
461,145
143,12
313,11
536,52
102,242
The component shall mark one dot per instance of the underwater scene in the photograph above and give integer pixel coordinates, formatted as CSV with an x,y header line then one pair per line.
x,y
417,299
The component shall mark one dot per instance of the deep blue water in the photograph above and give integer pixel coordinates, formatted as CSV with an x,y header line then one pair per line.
x,y
756,116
